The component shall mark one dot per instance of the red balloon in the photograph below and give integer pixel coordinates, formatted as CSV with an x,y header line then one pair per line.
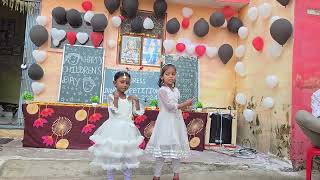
x,y
228,11
200,50
258,43
87,5
96,38
180,47
71,37
185,23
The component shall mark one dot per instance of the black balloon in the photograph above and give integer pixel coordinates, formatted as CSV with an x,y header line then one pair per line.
x,y
129,8
99,22
201,28
59,15
234,24
38,35
284,2
225,53
281,30
217,19
160,8
112,5
137,25
74,18
173,26
35,72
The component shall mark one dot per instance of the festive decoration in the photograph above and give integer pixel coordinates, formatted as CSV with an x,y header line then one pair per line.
x,y
265,10
243,32
38,35
99,22
27,96
273,19
140,119
81,115
96,38
173,26
180,47
240,51
240,69
87,5
88,16
62,144
116,21
185,115
88,128
217,19
72,37
112,5
47,112
74,18
160,8
82,37
284,2
61,126
234,24
248,115
23,66
57,36
137,25
95,117
35,72
241,98
281,30
149,129
225,24
211,52
129,8
39,56
253,13
228,11
201,28
200,50
190,48
112,43
32,108
272,81
59,15
267,102
39,122
187,12
42,20
168,45
275,49
37,87
258,43
185,23
47,140
225,53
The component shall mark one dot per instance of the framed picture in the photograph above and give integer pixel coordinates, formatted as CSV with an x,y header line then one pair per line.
x,y
151,52
130,50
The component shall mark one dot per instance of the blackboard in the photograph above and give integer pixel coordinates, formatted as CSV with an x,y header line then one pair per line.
x,y
144,85
187,80
81,74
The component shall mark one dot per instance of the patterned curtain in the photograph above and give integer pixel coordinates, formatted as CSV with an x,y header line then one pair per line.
x,y
23,6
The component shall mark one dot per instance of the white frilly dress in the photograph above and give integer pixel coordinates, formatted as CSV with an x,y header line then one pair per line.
x,y
117,140
169,138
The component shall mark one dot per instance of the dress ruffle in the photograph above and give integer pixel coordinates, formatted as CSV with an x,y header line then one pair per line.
x,y
169,151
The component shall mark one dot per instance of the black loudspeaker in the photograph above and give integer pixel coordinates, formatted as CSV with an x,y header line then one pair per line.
x,y
221,128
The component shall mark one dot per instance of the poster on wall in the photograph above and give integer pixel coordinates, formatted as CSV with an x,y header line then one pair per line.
x,y
151,53
82,74
130,50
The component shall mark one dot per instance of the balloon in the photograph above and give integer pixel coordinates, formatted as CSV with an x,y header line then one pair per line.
x,y
116,21
137,25
225,24
148,23
74,18
130,8
268,102
42,20
241,98
248,115
38,35
173,26
112,5
72,37
217,19
275,49
87,5
211,52
253,13
281,30
228,11
88,16
160,8
234,24
39,56
168,45
200,50
240,69
23,66
112,43
273,19
99,22
82,37
180,47
258,43
55,42
187,12
59,15
190,49
96,38
265,10
201,27
243,32
185,23
272,81
58,35
240,51
37,87
283,2
225,53
35,72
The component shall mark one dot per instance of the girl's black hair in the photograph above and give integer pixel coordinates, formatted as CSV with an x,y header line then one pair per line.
x,y
121,74
163,70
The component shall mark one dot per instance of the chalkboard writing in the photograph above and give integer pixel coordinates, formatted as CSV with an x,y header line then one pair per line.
x,y
144,85
187,75
82,74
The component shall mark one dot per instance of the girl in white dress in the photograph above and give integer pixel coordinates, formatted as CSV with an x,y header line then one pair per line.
x,y
169,139
117,140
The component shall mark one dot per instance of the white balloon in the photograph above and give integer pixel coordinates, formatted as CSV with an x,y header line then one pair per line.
x,y
240,51
211,52
272,81
37,87
82,37
243,32
240,69
168,45
148,23
88,16
241,98
187,12
58,34
42,20
268,102
273,19
39,55
265,10
275,49
23,66
248,115
253,13
112,43
116,21
55,42
225,24
190,49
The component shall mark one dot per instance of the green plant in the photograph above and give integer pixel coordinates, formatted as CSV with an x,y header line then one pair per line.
x,y
95,99
199,104
27,96
154,103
